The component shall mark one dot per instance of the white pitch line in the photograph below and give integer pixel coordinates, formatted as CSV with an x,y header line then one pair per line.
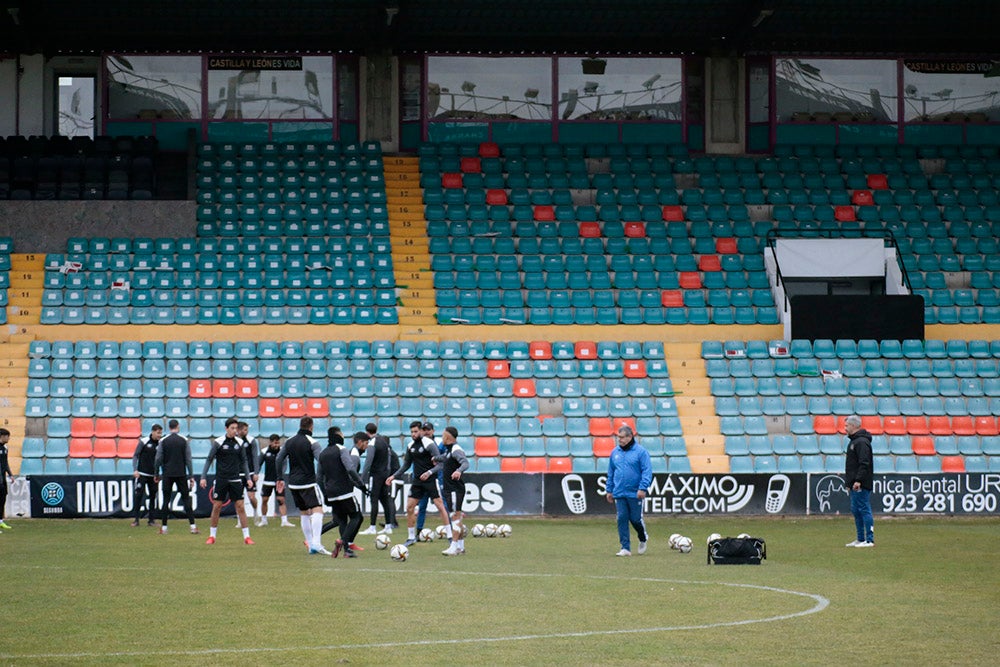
x,y
821,603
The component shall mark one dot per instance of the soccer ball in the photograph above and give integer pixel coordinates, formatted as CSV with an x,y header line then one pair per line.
x,y
427,535
490,530
442,531
465,530
684,544
399,553
478,530
382,542
713,537
743,536
503,530
673,540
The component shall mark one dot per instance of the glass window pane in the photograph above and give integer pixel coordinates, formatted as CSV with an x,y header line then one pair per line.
x,y
955,91
489,88
305,91
855,90
76,106
347,95
158,86
620,88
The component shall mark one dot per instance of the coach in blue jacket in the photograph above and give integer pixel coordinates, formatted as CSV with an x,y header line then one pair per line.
x,y
630,472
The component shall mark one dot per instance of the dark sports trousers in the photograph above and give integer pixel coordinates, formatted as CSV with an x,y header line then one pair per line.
x,y
348,516
383,497
167,485
145,487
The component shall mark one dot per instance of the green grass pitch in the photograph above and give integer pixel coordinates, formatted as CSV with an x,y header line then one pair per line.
x,y
101,592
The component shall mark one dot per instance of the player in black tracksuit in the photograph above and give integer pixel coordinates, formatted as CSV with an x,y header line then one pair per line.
x,y
230,464
454,463
338,477
5,473
144,472
377,468
420,454
302,451
252,451
175,471
269,468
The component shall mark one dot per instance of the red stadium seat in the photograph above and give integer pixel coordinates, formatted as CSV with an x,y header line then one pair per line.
x,y
726,246
618,422
293,407
590,230
106,427
201,388
940,425
894,425
545,213
872,424
672,299
535,464
600,426
878,182
318,406
635,368
81,448
496,197
81,427
487,446
561,464
107,448
673,214
986,426
540,349
269,407
223,388
471,165
635,230
498,368
689,280
451,180
524,388
963,425
923,445
844,214
126,447
489,149
709,263
825,424
603,446
511,464
246,388
129,427
585,349
862,198
952,464
917,425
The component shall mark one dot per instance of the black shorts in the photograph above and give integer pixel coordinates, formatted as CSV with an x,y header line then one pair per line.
x,y
455,496
424,489
345,507
244,480
225,491
305,499
266,489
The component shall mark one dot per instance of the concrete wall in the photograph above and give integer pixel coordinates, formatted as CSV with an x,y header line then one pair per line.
x,y
44,226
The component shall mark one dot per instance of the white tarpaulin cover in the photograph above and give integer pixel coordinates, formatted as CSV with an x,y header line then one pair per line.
x,y
830,258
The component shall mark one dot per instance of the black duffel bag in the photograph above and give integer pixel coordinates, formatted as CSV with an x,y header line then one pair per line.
x,y
736,551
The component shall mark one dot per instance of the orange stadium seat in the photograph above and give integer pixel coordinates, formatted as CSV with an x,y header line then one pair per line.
x,y
540,349
635,230
269,407
106,427
986,426
223,388
673,214
635,368
524,388
471,165
585,349
200,388
129,427
246,388
825,424
489,149
600,426
726,246
672,298
317,406
544,213
872,424
535,464
952,464
498,368
894,425
618,422
923,445
878,182
709,263
689,280
604,446
81,427
862,198
962,425
451,180
562,464
496,197
81,448
939,425
844,214
917,425
511,464
126,447
590,230
107,448
487,446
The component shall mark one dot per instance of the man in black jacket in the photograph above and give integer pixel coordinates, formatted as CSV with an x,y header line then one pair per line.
x,y
858,476
174,470
377,468
302,452
338,477
230,471
144,472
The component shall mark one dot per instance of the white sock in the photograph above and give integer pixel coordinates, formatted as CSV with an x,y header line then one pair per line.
x,y
306,525
317,528
211,531
447,530
246,532
411,533
461,544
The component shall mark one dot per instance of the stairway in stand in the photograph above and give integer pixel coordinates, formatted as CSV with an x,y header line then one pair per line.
x,y
696,408
410,251
27,280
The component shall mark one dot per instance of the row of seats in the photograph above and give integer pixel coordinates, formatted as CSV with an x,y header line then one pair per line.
x,y
593,149
355,349
608,316
833,445
825,348
861,405
927,152
288,149
210,315
876,424
169,250
841,373
790,464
